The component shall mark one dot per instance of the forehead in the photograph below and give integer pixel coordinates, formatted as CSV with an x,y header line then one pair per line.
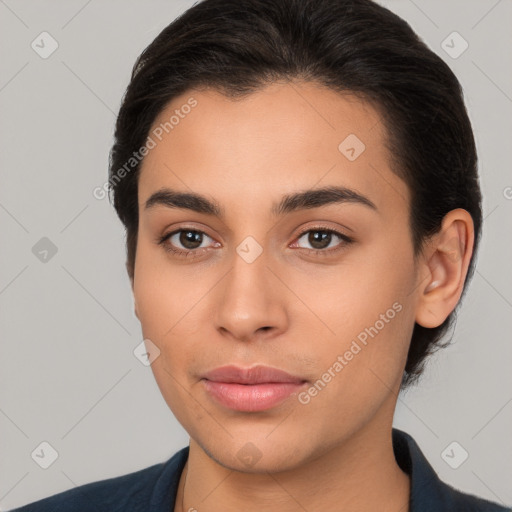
x,y
283,137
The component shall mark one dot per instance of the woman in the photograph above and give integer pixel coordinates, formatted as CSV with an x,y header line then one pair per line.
x,y
296,250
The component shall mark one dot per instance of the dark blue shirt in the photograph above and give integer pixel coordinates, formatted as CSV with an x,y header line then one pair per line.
x,y
153,489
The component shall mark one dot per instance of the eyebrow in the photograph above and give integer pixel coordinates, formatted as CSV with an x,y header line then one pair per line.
x,y
302,200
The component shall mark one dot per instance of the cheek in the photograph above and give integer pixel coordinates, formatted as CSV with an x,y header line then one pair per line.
x,y
367,311
164,293
162,301
165,302
360,368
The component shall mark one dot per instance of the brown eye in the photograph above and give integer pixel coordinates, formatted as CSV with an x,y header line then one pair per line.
x,y
322,239
189,239
319,239
187,242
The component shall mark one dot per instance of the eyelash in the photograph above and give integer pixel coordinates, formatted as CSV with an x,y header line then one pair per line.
x,y
192,253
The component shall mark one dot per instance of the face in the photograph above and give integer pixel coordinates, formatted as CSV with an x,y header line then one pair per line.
x,y
318,287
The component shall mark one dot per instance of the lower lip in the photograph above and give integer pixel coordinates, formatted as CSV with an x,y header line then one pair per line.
x,y
251,397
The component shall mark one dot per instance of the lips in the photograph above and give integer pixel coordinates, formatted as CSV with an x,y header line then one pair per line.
x,y
254,375
250,389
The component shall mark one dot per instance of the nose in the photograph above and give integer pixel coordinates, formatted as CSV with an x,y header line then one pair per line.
x,y
251,302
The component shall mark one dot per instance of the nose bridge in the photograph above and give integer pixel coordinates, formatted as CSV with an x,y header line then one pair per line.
x,y
249,300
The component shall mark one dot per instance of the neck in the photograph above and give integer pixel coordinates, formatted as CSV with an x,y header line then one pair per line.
x,y
359,474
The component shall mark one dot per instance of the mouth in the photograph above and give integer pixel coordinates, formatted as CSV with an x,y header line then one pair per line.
x,y
251,389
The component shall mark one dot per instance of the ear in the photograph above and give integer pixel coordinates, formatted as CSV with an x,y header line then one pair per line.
x,y
130,275
444,268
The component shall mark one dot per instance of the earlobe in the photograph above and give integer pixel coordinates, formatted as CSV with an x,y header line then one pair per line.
x,y
446,264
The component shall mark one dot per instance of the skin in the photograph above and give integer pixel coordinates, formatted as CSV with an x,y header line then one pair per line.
x,y
290,308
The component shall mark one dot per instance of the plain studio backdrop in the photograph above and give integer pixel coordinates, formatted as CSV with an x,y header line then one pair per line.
x,y
68,375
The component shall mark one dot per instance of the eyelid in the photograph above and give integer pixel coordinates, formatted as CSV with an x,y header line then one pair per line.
x,y
345,240
323,227
168,232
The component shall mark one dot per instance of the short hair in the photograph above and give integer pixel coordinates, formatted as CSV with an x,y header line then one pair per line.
x,y
237,47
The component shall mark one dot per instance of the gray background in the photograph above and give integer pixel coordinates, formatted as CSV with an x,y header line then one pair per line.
x,y
67,372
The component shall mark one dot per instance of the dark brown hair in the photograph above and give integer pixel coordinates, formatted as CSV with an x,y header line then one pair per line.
x,y
239,46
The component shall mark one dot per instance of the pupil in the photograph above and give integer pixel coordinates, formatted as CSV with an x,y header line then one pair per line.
x,y
320,239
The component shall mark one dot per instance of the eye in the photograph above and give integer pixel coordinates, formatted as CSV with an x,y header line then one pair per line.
x,y
323,240
190,243
185,242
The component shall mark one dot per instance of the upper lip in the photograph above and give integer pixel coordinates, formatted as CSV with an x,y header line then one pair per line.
x,y
255,375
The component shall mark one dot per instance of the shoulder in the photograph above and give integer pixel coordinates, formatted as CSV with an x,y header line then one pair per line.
x,y
151,488
428,491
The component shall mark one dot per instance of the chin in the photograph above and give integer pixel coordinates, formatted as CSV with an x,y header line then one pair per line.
x,y
261,453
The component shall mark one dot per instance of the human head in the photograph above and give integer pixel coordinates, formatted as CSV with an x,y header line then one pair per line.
x,y
239,47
